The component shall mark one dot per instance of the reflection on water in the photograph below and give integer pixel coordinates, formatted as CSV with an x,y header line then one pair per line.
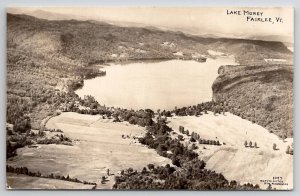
x,y
157,85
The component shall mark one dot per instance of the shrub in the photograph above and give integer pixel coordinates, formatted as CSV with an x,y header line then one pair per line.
x,y
150,166
274,146
192,139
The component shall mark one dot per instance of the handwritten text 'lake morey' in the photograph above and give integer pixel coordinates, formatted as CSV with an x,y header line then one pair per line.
x,y
255,16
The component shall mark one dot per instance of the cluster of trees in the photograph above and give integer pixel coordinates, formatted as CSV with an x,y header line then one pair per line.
x,y
199,109
91,106
15,140
250,144
16,113
196,137
25,171
53,130
84,72
181,130
57,139
158,138
164,113
19,141
192,176
90,72
12,144
209,142
141,117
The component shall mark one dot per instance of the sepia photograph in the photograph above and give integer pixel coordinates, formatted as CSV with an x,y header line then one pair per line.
x,y
150,98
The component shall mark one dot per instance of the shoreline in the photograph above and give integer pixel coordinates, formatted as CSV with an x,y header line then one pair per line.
x,y
150,59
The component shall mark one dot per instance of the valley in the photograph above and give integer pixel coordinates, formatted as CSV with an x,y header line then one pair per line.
x,y
63,135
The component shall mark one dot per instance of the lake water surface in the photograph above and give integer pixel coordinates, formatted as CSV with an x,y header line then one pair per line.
x,y
155,85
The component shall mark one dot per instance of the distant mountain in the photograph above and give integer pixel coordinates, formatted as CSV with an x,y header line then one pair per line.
x,y
193,31
280,38
49,15
45,15
92,41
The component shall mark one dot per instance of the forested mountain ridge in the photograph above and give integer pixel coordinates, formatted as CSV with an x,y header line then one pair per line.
x,y
261,94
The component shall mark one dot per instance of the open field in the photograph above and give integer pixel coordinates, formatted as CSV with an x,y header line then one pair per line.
x,y
234,160
18,181
98,146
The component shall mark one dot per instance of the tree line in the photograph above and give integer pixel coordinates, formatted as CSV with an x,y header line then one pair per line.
x,y
196,137
25,171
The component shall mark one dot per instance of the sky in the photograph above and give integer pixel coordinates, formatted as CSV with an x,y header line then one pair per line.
x,y
193,20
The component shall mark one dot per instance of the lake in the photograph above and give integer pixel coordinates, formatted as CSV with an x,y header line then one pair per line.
x,y
155,85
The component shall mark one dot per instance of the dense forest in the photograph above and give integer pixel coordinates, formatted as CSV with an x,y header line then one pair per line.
x,y
260,94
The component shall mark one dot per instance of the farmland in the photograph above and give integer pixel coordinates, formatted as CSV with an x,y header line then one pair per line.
x,y
98,146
